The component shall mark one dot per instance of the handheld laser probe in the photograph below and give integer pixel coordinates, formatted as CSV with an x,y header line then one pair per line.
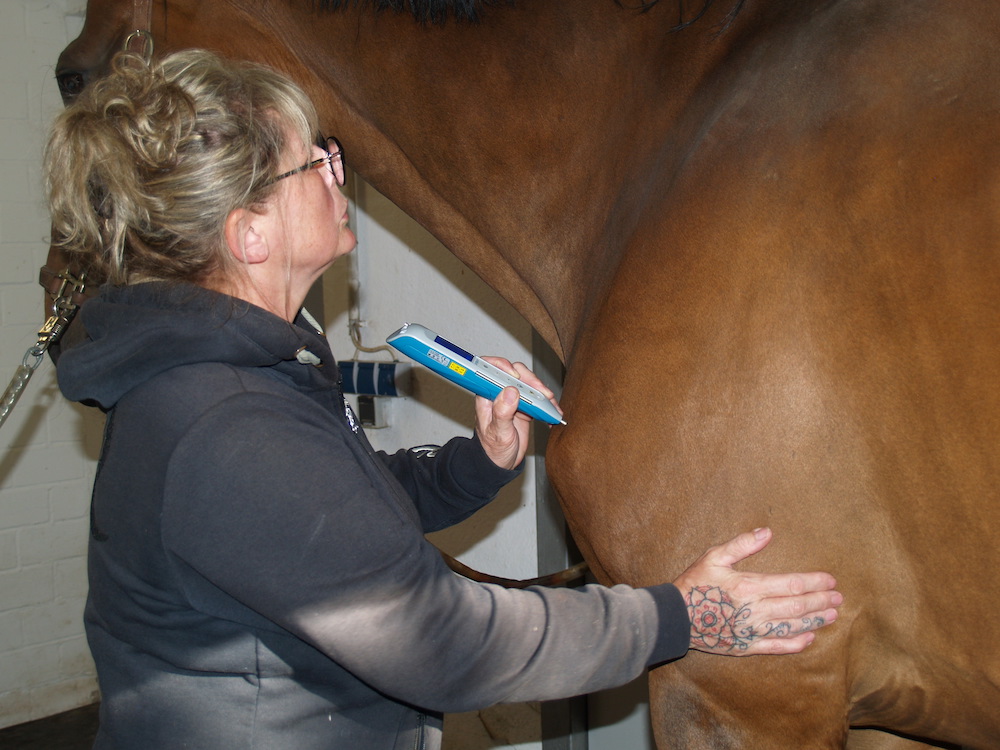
x,y
469,371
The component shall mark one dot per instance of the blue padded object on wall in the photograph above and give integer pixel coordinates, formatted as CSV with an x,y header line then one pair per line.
x,y
370,378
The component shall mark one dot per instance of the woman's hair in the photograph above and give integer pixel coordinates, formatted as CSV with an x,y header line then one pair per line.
x,y
143,170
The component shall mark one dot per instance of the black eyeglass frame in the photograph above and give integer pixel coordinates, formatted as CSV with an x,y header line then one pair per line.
x,y
334,158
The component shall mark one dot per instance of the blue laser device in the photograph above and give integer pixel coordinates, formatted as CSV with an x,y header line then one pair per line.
x,y
469,371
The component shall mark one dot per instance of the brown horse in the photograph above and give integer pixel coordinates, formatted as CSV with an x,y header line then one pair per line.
x,y
766,246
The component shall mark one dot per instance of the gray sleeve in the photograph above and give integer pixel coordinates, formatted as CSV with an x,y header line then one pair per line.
x,y
293,520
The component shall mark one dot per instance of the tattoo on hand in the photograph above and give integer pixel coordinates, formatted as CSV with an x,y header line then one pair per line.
x,y
717,624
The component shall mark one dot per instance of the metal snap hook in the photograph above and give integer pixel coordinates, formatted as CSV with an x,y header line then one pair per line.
x,y
145,38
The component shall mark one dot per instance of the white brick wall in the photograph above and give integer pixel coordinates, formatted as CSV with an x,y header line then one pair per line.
x,y
48,447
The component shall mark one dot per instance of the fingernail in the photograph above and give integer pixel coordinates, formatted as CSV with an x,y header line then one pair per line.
x,y
760,533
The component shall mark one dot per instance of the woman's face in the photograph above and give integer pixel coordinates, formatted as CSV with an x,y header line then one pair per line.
x,y
313,215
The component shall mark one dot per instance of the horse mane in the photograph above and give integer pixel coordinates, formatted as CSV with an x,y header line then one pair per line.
x,y
433,11
437,11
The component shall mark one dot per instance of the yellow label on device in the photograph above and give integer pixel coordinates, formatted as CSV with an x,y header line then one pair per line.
x,y
457,368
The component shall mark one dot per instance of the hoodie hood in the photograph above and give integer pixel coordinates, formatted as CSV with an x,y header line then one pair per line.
x,y
135,333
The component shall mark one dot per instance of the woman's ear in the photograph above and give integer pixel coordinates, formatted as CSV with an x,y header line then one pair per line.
x,y
245,236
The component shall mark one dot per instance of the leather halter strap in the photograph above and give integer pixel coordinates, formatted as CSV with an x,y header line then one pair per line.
x,y
142,14
140,39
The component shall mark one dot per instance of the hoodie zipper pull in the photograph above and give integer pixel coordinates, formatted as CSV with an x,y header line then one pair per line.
x,y
306,357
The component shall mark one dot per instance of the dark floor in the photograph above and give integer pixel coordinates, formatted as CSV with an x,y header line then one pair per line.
x,y
73,730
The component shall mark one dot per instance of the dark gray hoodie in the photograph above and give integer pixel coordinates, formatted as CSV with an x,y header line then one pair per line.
x,y
259,578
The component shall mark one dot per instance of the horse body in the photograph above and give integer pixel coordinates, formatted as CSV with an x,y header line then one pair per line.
x,y
768,257
819,360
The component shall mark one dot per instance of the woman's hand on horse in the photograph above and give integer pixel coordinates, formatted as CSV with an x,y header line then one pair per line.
x,y
740,614
502,429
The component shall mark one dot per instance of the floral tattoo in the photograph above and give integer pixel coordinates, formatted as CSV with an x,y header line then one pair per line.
x,y
718,625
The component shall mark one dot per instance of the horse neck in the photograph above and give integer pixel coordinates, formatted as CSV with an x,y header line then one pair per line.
x,y
524,143
463,132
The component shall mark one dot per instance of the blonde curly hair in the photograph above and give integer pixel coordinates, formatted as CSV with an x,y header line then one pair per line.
x,y
144,168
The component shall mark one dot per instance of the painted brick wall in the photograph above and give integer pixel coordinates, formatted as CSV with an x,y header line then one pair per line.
x,y
48,447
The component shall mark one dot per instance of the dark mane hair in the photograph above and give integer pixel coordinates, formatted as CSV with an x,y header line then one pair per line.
x,y
433,11
437,11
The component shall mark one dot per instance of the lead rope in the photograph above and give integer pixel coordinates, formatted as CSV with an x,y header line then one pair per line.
x,y
64,308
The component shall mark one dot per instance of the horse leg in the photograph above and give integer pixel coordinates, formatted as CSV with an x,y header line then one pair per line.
x,y
725,714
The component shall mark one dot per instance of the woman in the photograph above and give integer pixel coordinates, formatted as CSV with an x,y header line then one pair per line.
x,y
259,576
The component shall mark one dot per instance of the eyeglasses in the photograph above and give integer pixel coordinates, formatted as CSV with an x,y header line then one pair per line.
x,y
334,160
